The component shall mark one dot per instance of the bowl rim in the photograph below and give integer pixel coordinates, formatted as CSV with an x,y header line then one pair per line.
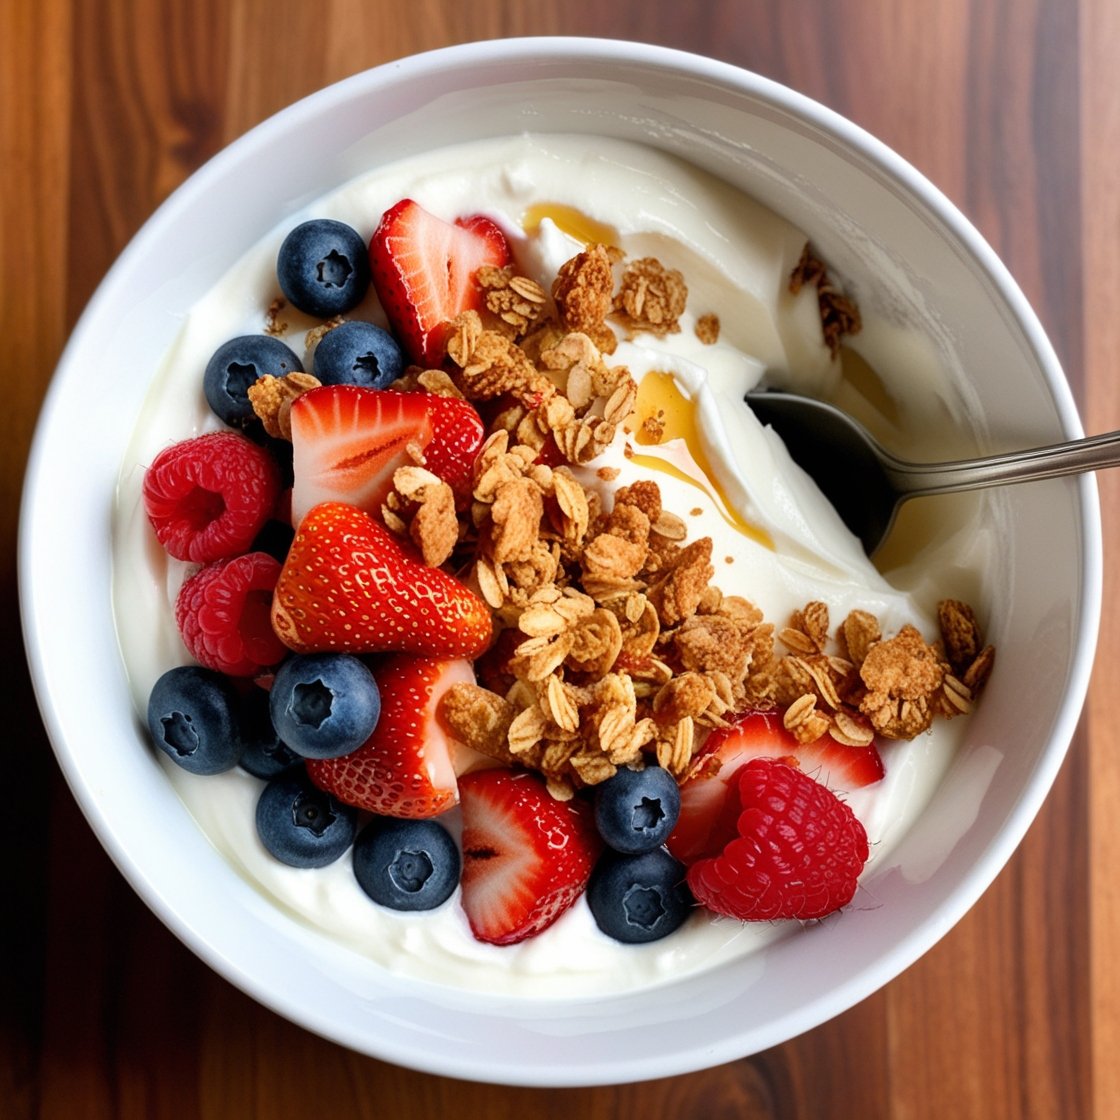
x,y
579,51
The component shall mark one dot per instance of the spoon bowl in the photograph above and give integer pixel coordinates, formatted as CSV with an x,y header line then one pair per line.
x,y
866,484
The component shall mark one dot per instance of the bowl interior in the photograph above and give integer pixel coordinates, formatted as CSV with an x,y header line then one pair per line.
x,y
894,238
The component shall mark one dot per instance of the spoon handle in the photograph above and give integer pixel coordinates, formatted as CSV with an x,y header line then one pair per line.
x,y
1072,457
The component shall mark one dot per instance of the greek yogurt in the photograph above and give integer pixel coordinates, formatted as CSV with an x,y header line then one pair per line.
x,y
776,541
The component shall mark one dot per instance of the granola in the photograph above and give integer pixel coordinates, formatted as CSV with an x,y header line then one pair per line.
x,y
839,314
652,297
619,646
615,645
583,292
272,397
517,302
707,329
421,506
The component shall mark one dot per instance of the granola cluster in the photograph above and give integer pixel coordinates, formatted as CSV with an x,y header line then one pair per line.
x,y
839,313
272,397
614,644
874,685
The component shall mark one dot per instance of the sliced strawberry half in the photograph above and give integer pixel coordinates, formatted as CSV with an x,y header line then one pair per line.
x,y
708,812
423,269
408,766
351,586
347,441
526,856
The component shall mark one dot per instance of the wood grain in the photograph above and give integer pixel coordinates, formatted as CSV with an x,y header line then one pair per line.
x,y
1010,106
1100,228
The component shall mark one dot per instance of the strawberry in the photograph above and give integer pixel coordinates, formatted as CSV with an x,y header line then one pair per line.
x,y
347,441
705,795
349,585
526,856
407,767
422,269
794,849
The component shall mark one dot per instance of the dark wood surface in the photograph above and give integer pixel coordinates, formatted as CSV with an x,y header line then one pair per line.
x,y
1011,106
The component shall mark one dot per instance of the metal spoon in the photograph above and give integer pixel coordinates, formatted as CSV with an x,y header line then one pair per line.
x,y
867,484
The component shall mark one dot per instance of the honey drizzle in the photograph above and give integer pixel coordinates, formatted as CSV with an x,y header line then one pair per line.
x,y
672,416
570,220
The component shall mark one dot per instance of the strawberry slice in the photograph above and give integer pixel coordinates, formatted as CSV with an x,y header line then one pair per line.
x,y
422,269
349,585
526,856
347,441
408,766
707,810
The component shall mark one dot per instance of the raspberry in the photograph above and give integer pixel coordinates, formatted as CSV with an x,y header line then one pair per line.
x,y
222,613
797,850
208,497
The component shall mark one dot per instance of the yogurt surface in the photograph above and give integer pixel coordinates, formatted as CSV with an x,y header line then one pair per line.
x,y
550,194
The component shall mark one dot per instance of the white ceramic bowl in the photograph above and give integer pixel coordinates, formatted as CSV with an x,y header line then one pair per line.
x,y
863,206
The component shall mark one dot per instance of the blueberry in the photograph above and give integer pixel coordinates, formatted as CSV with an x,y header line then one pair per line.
x,y
235,365
323,267
324,705
637,898
269,758
406,864
635,810
193,719
300,824
265,755
358,353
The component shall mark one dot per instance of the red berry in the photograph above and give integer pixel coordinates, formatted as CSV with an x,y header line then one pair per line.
x,y
348,440
550,454
526,856
208,497
423,270
222,613
708,795
406,768
350,585
794,850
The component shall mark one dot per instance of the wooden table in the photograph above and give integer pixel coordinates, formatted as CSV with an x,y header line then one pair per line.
x,y
1010,106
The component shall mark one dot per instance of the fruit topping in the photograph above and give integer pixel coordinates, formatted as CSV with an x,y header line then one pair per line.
x,y
641,897
322,267
301,825
708,793
635,810
235,365
207,497
423,269
222,613
349,585
324,704
405,768
406,865
793,848
266,755
348,441
358,353
526,856
192,718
